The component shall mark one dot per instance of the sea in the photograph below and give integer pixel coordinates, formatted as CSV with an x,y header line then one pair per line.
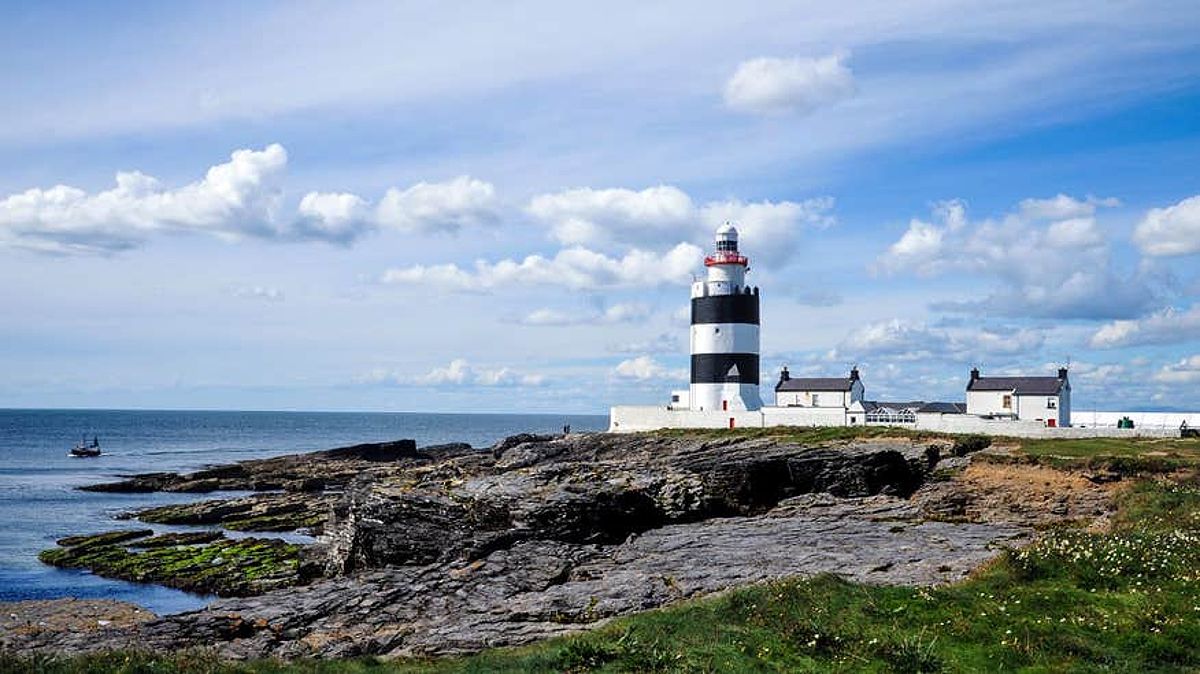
x,y
40,502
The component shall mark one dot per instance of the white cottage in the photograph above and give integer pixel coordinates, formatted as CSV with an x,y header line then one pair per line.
x,y
818,391
1045,399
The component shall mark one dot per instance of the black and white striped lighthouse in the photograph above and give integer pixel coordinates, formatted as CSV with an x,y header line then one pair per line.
x,y
725,331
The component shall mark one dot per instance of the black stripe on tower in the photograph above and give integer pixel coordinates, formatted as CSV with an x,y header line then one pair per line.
x,y
725,309
713,368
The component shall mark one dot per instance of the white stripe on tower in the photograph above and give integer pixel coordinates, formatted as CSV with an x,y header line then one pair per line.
x,y
724,338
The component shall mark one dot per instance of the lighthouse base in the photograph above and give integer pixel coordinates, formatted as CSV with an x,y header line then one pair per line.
x,y
727,397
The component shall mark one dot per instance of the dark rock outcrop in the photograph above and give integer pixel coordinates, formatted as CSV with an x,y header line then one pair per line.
x,y
595,489
454,550
312,472
271,511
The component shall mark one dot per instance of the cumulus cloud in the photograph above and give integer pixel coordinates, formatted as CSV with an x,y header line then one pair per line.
x,y
619,218
334,217
626,312
459,372
439,207
645,368
1169,325
1044,265
576,268
1174,230
1186,371
773,86
239,198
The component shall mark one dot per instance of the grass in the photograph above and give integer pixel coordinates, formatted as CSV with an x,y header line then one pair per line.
x,y
1123,455
1123,601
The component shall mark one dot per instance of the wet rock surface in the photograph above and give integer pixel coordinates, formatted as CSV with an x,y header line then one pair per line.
x,y
198,561
279,511
464,550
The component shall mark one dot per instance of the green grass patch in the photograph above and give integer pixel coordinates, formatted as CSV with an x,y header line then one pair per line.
x,y
1125,455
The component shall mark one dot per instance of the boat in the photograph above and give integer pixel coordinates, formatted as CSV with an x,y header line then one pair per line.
x,y
84,448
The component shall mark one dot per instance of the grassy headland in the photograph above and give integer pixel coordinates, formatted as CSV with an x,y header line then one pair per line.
x,y
1125,600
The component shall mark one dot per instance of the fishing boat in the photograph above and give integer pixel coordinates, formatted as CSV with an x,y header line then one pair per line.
x,y
84,448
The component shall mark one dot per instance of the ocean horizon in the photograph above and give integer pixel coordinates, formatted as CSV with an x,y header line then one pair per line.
x,y
40,501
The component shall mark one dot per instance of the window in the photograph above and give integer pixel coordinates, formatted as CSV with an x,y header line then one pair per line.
x,y
1007,404
1051,403
816,400
675,398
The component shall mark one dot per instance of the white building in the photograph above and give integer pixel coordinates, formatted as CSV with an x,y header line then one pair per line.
x,y
818,391
1044,399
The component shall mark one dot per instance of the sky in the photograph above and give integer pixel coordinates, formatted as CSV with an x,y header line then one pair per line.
x,y
422,206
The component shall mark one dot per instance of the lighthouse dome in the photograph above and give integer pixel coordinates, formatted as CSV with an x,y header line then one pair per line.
x,y
727,232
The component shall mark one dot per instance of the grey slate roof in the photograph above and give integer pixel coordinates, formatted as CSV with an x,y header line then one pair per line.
x,y
872,405
917,406
1022,386
944,408
814,384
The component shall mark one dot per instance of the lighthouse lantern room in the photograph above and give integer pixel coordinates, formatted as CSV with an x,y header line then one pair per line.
x,y
724,340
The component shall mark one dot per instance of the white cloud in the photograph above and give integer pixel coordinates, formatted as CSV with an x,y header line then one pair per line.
x,y
1061,206
264,293
771,86
237,199
619,218
1186,371
644,368
770,230
576,268
909,341
333,217
618,313
1163,327
587,216
459,372
439,207
1060,269
1174,230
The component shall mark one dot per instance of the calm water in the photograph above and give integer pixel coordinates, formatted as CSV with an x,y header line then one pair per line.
x,y
39,502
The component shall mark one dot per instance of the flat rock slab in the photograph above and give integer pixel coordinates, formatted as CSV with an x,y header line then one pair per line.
x,y
53,616
542,588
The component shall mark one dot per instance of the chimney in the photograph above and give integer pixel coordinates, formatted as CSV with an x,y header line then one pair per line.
x,y
1062,373
784,375
974,373
854,373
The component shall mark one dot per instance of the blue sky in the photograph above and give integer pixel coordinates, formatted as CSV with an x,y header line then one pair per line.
x,y
484,206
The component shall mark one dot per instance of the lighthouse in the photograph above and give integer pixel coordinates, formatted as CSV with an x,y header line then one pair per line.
x,y
724,343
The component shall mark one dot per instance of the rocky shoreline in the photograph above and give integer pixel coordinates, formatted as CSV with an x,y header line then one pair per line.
x,y
447,549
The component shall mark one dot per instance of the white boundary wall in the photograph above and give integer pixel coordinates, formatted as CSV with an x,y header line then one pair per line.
x,y
1162,420
629,419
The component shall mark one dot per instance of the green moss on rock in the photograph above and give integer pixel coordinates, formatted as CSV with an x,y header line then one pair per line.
x,y
204,562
